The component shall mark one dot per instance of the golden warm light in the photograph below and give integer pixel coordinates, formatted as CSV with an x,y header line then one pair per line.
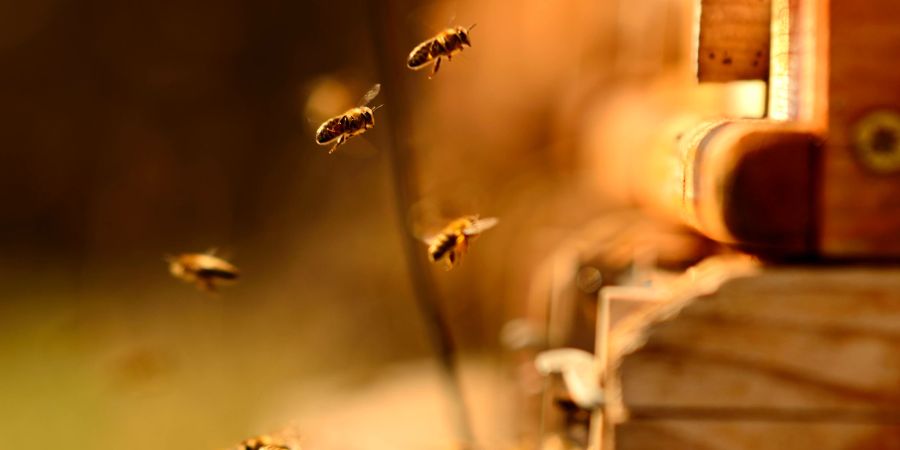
x,y
479,225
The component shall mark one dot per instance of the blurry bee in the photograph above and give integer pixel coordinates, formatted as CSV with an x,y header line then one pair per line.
x,y
202,269
451,243
445,44
351,123
263,442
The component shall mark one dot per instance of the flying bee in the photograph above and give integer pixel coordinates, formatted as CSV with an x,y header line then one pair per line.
x,y
263,442
444,45
351,123
451,243
205,270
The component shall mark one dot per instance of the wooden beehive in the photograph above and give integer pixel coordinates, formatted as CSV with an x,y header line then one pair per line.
x,y
762,355
748,356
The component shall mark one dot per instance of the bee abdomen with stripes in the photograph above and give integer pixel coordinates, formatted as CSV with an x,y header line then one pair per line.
x,y
446,44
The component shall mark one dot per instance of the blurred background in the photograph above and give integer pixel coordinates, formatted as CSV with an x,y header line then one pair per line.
x,y
131,131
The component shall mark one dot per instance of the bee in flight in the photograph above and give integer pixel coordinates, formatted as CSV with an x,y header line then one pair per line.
x,y
451,243
351,123
263,442
205,270
444,45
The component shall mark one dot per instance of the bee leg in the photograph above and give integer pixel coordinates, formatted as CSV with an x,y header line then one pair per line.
x,y
451,260
462,244
339,142
206,285
434,70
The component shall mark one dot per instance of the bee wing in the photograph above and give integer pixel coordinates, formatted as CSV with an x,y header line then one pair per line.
x,y
424,233
217,252
428,238
373,92
314,124
480,225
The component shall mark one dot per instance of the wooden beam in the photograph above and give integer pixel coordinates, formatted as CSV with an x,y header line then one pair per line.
x,y
744,182
861,198
733,40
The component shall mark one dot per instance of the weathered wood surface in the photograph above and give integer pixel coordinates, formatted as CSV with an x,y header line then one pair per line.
x,y
799,62
810,356
861,205
752,435
733,40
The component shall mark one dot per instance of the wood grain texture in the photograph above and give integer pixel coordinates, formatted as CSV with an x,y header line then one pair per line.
x,y
751,435
740,346
733,40
861,209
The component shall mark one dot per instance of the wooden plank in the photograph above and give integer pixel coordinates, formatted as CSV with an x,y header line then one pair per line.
x,y
776,344
754,435
861,207
815,337
799,66
733,40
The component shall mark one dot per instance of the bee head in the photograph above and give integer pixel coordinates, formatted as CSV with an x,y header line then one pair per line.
x,y
464,34
176,268
368,117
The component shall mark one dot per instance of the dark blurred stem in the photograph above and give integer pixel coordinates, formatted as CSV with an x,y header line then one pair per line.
x,y
387,39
